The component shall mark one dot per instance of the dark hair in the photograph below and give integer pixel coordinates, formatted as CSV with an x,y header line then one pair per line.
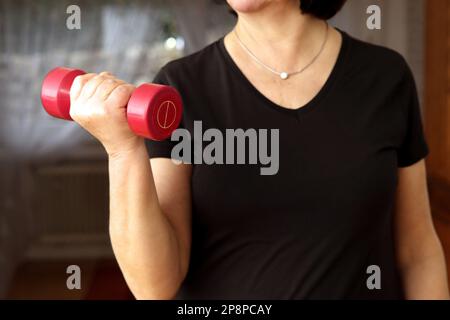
x,y
322,9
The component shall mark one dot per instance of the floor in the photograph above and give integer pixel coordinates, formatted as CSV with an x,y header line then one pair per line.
x,y
100,280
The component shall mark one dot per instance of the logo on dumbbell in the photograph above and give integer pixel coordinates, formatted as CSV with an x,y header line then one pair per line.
x,y
166,114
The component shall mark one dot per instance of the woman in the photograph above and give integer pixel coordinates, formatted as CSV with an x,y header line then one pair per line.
x,y
345,216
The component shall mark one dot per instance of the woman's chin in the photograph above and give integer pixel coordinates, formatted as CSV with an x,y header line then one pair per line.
x,y
247,6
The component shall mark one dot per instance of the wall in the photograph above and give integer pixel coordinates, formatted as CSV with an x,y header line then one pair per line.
x,y
437,101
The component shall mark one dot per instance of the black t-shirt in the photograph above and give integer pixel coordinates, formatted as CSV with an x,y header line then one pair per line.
x,y
312,229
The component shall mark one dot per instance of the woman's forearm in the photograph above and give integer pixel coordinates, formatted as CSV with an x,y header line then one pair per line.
x,y
143,240
425,275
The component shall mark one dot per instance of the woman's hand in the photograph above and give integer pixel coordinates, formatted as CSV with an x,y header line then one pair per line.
x,y
98,103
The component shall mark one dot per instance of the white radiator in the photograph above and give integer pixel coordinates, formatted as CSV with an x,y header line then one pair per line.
x,y
70,211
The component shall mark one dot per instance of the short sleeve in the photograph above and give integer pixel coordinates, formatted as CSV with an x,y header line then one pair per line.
x,y
413,147
160,149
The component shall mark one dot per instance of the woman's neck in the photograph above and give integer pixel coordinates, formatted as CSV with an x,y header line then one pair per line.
x,y
280,33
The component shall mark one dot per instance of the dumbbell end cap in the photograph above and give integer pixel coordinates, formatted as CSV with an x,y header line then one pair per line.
x,y
55,92
154,111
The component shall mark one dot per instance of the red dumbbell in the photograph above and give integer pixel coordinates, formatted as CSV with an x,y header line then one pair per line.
x,y
153,111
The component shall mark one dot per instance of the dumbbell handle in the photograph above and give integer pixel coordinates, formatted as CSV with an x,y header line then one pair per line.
x,y
153,111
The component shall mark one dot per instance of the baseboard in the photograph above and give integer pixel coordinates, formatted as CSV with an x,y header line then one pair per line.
x,y
67,246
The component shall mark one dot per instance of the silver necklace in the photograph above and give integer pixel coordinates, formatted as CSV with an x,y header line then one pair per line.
x,y
283,74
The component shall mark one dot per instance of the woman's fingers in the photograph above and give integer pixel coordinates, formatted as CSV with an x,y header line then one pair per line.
x,y
120,95
100,93
106,87
90,87
78,85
